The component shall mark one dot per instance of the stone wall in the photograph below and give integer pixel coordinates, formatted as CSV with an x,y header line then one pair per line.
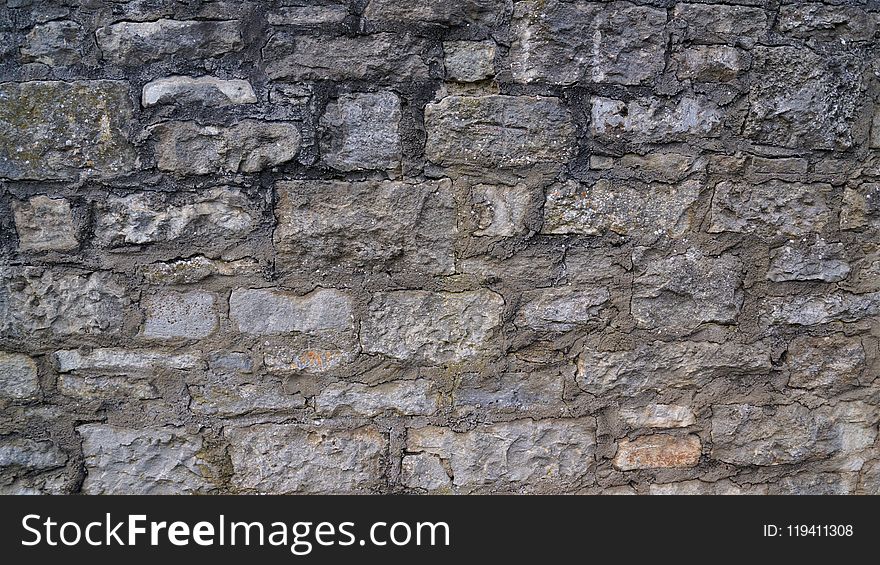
x,y
480,246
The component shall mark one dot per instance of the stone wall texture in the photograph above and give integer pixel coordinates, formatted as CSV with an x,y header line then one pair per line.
x,y
413,246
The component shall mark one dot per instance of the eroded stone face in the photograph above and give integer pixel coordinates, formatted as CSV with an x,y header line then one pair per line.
x,y
136,43
363,132
45,224
267,311
207,90
18,376
658,451
771,208
60,130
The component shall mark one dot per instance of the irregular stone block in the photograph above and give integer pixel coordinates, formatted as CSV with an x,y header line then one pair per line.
x,y
431,327
771,208
374,225
687,290
814,309
658,366
44,224
45,303
124,360
424,471
711,63
658,451
502,211
461,13
804,100
362,132
309,357
861,207
229,400
219,214
197,268
469,61
834,361
800,261
564,43
136,43
18,376
260,311
59,130
249,146
57,44
529,394
658,416
100,387
642,211
26,453
518,456
654,120
186,315
379,58
719,23
815,21
308,15
291,458
407,398
498,131
206,90
149,461
702,488
561,309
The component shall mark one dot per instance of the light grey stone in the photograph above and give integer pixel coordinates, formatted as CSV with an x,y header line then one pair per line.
x,y
124,360
18,376
17,451
149,461
197,268
263,311
698,487
362,132
460,13
813,309
61,130
816,21
102,387
382,226
186,315
407,398
561,309
469,61
654,120
207,90
535,393
519,456
137,43
501,211
308,14
658,416
719,23
770,208
424,471
308,357
291,458
830,362
498,131
237,399
861,207
711,63
802,261
431,327
44,224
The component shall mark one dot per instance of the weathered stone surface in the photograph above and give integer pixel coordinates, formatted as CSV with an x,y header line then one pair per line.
x,y
289,458
310,356
463,12
813,309
362,132
44,224
532,393
803,99
46,303
123,360
249,146
711,63
136,43
219,214
564,43
813,20
501,211
800,261
308,15
57,44
498,131
374,225
197,268
658,365
431,327
770,208
834,361
407,398
861,207
658,451
639,210
261,311
17,451
658,416
654,119
206,90
701,488
813,484
424,471
18,376
149,461
719,23
561,309
59,130
381,57
469,61
687,290
187,315
107,387
237,399
523,455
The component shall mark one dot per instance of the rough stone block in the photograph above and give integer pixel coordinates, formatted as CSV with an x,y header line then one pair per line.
x,y
711,63
830,362
206,90
500,210
861,207
769,209
658,416
228,400
136,43
424,471
658,451
720,23
654,120
115,360
561,309
56,43
469,61
44,224
18,376
407,398
814,309
362,132
26,453
802,261
262,311
186,315
462,12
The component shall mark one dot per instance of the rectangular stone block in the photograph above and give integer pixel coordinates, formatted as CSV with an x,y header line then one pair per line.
x,y
834,362
136,43
658,451
60,130
407,398
460,13
800,260
377,226
519,456
291,458
205,90
498,131
18,376
719,23
124,360
431,327
561,309
264,311
44,224
769,209
30,454
861,207
815,308
149,461
231,399
658,416
654,120
179,315
362,131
